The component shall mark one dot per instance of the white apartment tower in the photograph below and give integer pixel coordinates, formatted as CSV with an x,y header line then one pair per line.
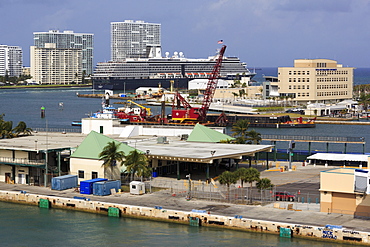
x,y
11,61
135,39
51,65
316,81
69,40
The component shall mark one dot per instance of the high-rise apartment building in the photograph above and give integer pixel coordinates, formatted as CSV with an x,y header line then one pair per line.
x,y
316,81
135,39
69,40
51,65
11,61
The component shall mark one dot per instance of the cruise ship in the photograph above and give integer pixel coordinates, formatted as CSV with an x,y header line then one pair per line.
x,y
164,71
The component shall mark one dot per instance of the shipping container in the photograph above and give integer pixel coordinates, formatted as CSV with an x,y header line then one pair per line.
x,y
104,188
86,187
64,182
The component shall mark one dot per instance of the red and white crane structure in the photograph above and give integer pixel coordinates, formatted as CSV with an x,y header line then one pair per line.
x,y
189,113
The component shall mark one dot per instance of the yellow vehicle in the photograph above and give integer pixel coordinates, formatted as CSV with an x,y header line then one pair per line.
x,y
147,109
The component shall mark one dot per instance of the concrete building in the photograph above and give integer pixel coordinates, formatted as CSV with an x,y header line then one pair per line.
x,y
345,191
135,39
69,40
51,65
11,60
316,81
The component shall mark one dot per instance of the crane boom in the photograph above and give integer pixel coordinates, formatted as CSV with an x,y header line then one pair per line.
x,y
147,109
211,86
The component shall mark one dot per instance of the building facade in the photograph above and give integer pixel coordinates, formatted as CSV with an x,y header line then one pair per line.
x,y
51,65
69,40
11,60
316,81
345,191
135,39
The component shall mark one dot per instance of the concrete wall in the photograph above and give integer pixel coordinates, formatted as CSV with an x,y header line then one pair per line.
x,y
176,216
89,124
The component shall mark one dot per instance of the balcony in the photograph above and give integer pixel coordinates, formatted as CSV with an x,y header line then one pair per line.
x,y
22,162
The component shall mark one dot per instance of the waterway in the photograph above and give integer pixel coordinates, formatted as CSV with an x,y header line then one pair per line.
x,y
25,105
32,226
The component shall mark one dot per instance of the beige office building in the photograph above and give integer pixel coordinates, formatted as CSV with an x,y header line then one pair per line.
x,y
316,81
51,65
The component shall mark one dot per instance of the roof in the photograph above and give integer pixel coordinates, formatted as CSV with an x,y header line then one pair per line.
x,y
94,143
339,157
199,152
202,133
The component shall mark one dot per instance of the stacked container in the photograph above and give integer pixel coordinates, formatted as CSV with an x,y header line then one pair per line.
x,y
104,188
86,187
64,182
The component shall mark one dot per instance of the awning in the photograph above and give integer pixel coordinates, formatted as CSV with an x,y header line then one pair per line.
x,y
339,157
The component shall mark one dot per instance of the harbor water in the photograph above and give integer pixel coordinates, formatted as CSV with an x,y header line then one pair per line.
x,y
32,226
62,107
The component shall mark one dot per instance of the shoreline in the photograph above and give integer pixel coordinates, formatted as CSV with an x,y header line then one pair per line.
x,y
180,216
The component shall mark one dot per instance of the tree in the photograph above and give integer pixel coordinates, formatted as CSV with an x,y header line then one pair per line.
x,y
22,128
254,137
241,174
240,128
111,155
228,178
137,164
251,176
264,183
6,129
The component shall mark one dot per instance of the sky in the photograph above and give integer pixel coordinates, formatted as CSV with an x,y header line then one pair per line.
x,y
262,33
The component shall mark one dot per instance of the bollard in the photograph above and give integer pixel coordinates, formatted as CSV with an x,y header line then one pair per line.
x,y
302,199
317,200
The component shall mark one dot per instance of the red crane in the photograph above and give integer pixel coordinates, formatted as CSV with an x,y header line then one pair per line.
x,y
195,113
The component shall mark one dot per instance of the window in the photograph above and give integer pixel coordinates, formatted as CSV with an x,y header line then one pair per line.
x,y
81,174
94,175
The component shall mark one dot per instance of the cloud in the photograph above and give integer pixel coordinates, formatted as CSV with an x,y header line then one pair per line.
x,y
313,5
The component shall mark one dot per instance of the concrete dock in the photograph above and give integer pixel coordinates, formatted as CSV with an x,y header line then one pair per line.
x,y
306,218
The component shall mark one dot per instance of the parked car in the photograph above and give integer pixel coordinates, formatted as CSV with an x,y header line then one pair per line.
x,y
284,196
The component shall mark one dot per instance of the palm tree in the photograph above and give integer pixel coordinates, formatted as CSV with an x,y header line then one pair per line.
x,y
264,183
228,178
6,129
137,164
110,155
241,174
21,128
240,128
251,176
254,137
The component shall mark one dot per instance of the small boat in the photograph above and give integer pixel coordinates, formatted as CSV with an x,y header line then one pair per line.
x,y
76,123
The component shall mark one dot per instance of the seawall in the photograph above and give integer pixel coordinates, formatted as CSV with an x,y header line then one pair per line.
x,y
194,217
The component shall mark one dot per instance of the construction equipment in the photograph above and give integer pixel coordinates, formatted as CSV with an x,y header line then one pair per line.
x,y
147,109
189,113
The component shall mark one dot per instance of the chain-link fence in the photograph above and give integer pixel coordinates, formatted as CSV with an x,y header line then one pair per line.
x,y
232,194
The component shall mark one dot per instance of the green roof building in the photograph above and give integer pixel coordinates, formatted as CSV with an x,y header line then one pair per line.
x,y
202,133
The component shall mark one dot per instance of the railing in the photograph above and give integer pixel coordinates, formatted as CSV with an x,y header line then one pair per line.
x,y
21,161
61,130
314,138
